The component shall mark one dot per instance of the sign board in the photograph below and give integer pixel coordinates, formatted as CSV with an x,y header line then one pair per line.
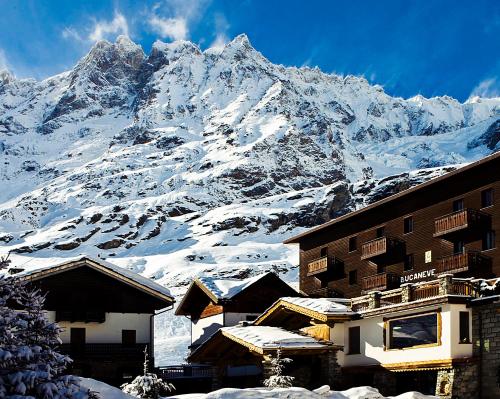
x,y
410,278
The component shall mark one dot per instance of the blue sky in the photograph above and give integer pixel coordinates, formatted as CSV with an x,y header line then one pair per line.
x,y
410,47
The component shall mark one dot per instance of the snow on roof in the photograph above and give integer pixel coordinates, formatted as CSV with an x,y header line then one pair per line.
x,y
228,288
271,337
128,274
326,306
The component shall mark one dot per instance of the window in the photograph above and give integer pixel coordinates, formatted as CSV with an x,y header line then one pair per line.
x,y
128,337
486,198
489,240
408,225
353,277
408,262
380,232
353,243
464,328
324,252
413,331
458,247
458,205
354,340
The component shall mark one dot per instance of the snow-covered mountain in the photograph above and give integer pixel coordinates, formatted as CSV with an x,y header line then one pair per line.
x,y
184,162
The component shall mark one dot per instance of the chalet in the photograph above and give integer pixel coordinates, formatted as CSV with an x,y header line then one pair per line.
x,y
106,313
241,356
213,303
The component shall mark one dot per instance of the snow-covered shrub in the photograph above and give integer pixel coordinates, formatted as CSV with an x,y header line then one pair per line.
x,y
278,379
148,385
30,366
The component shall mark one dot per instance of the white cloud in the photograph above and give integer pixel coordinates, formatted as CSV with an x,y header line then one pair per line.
x,y
220,41
172,19
102,29
487,88
221,28
71,33
171,28
99,30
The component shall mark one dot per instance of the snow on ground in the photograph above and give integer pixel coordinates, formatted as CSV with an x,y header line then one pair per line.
x,y
299,393
106,391
109,392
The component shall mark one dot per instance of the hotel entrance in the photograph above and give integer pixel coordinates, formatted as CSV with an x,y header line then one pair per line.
x,y
421,381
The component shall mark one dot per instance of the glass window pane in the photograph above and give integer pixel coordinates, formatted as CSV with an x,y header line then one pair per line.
x,y
413,331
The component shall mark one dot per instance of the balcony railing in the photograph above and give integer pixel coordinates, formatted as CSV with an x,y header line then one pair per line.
x,y
457,221
185,371
380,282
445,285
462,262
326,265
103,351
378,247
317,266
325,292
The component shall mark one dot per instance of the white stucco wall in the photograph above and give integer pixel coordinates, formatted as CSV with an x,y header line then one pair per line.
x,y
372,345
110,331
202,329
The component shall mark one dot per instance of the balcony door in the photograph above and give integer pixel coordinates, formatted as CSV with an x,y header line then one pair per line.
x,y
458,205
458,247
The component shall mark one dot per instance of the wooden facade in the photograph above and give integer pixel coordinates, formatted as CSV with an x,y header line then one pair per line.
x,y
446,225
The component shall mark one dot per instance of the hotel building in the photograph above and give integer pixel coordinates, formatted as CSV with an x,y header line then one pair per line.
x,y
401,295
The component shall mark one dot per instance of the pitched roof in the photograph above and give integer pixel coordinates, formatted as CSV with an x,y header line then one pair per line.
x,y
322,309
127,276
259,339
433,182
228,288
220,290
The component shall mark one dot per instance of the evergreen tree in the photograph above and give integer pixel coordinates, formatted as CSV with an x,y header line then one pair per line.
x,y
148,385
278,379
30,366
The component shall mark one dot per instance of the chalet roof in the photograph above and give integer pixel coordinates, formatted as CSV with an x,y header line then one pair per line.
x,y
127,276
267,338
259,340
228,288
322,309
351,216
221,290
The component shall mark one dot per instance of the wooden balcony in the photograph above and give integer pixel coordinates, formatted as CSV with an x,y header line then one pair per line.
x,y
325,267
449,226
380,282
378,248
104,351
462,262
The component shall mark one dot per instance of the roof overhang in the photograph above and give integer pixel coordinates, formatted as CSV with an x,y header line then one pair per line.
x,y
283,306
93,264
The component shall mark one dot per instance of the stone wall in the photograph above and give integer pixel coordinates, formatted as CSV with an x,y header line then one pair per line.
x,y
486,340
459,382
